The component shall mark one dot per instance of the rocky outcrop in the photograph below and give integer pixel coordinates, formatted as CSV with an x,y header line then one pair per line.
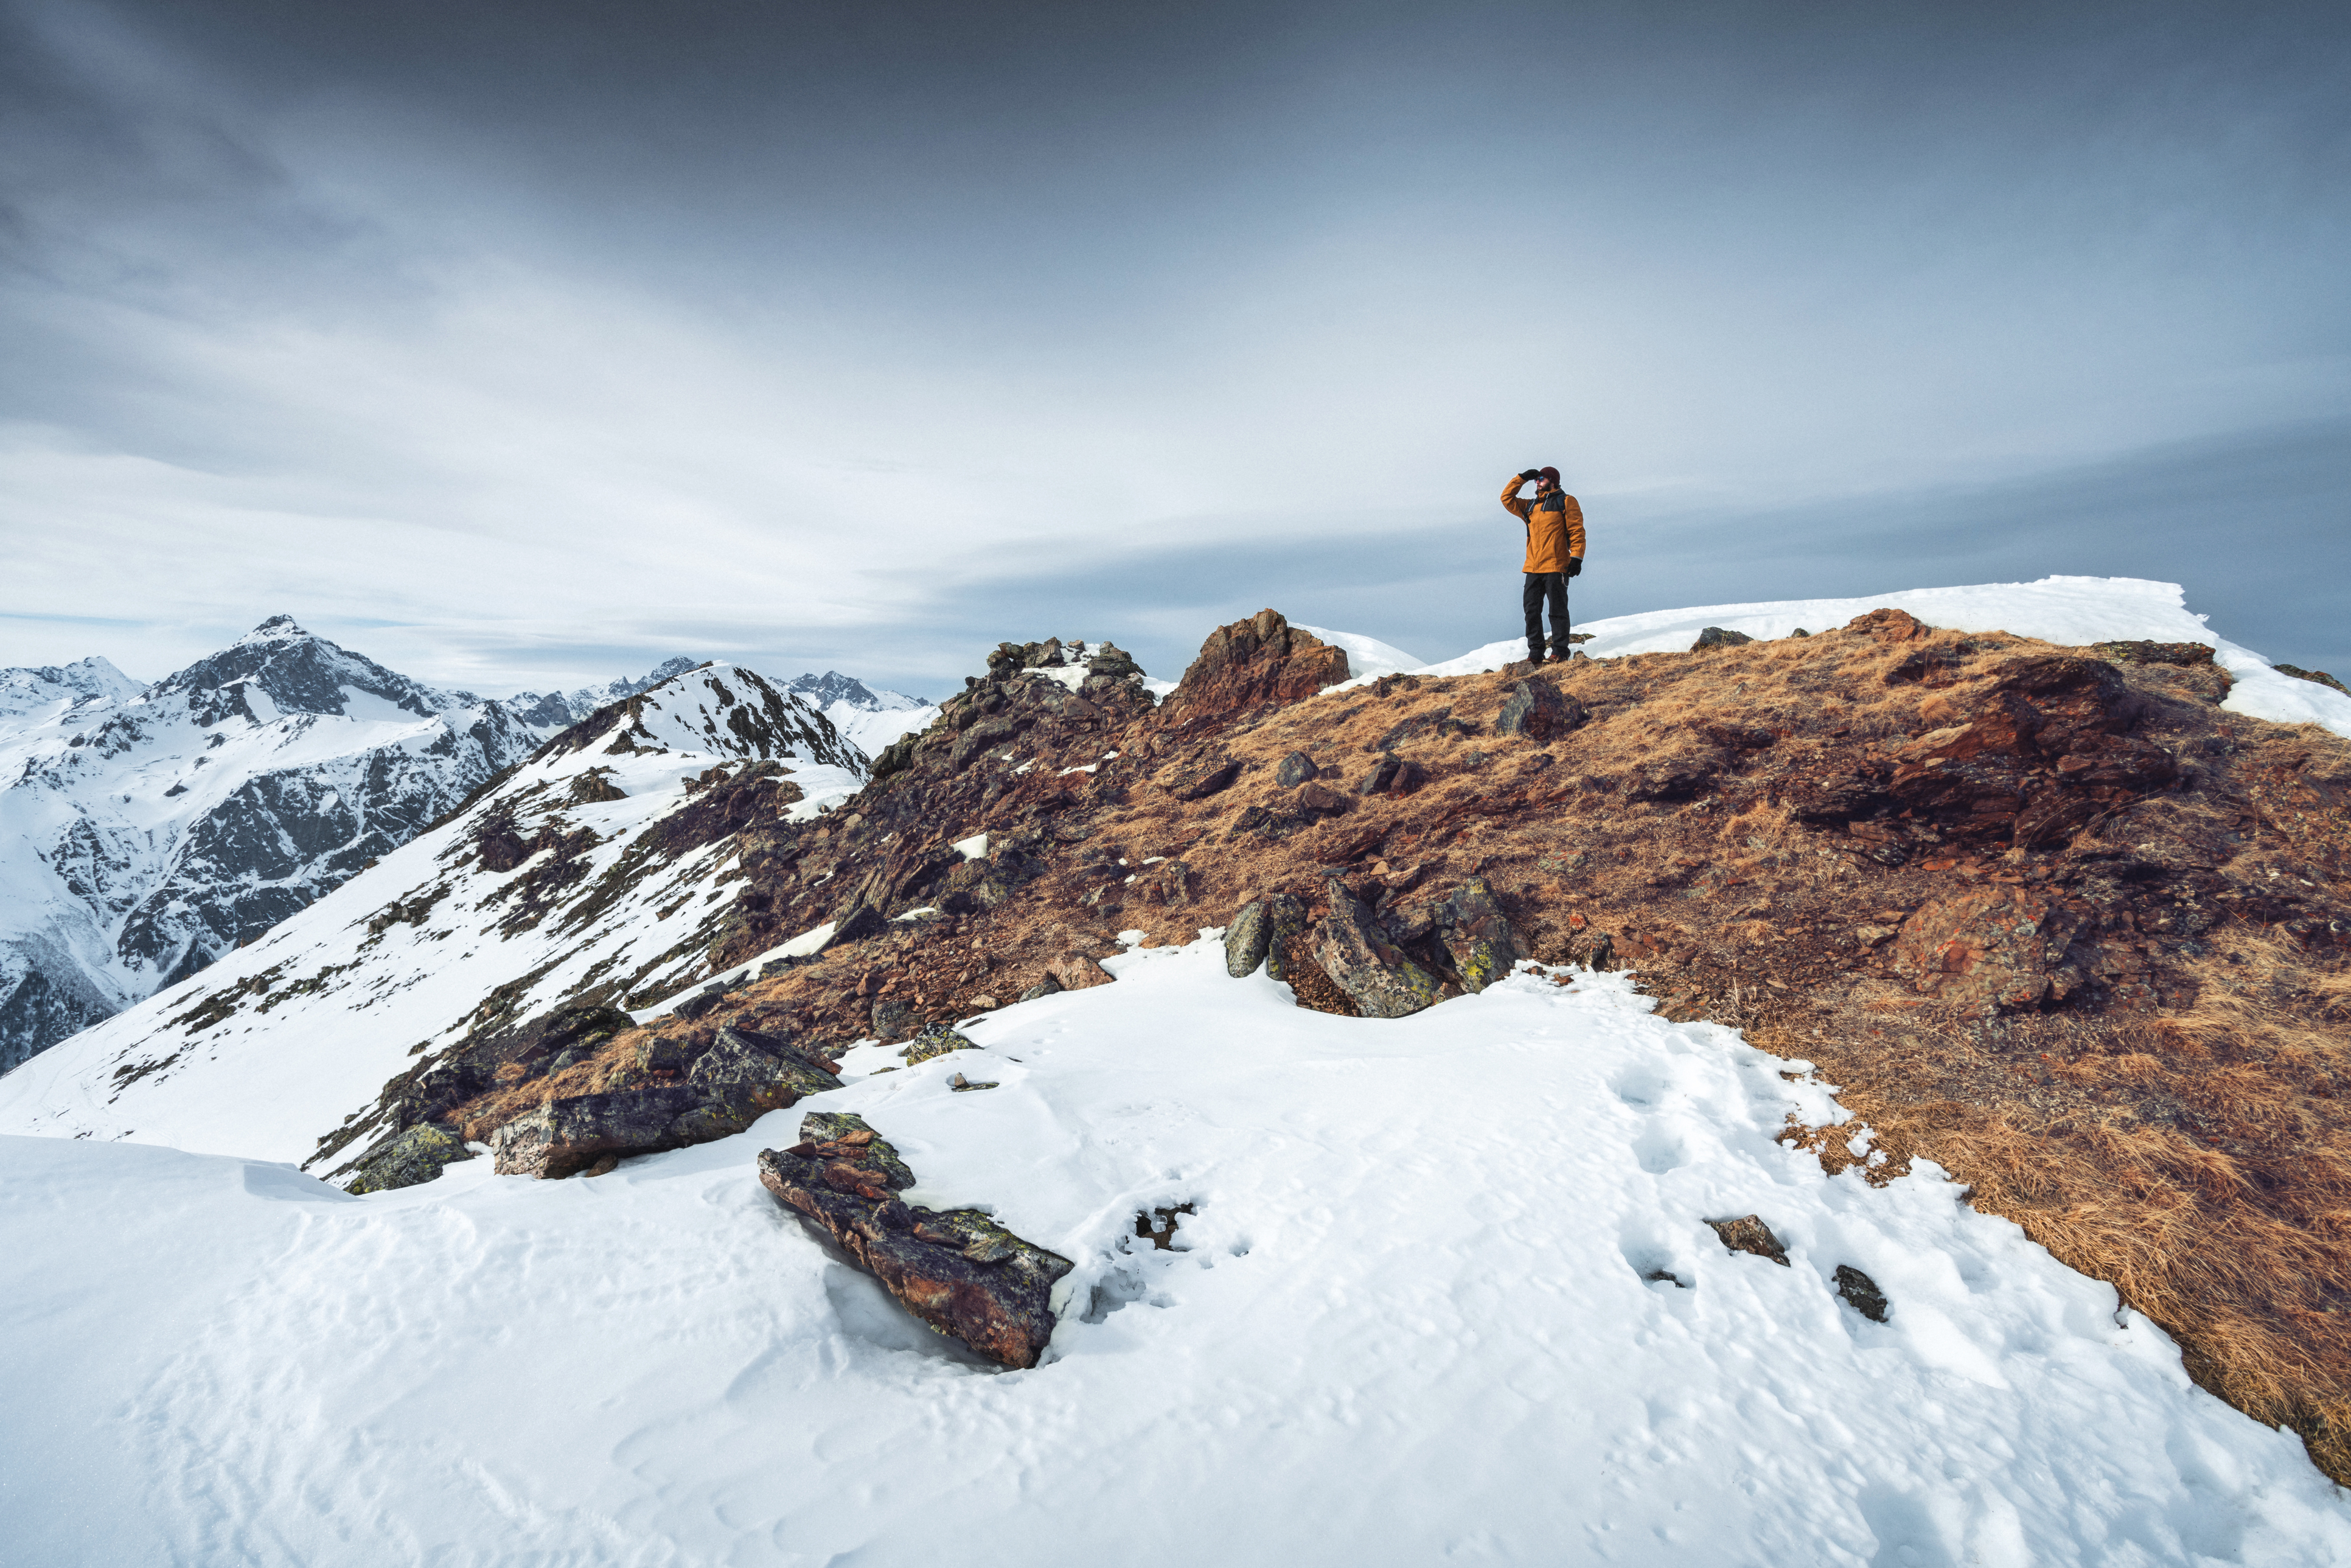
x,y
1717,637
1254,663
2047,748
683,1100
957,1269
1356,952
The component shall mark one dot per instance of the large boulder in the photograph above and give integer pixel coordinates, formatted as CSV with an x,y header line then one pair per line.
x,y
1354,949
957,1269
1252,663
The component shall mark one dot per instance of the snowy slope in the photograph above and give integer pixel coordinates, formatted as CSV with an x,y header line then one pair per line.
x,y
2068,609
286,1039
1367,657
40,694
145,831
1410,1323
551,711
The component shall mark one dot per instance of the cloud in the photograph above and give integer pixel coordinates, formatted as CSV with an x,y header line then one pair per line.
x,y
538,345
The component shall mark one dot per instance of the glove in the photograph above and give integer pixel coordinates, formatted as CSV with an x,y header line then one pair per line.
x,y
1530,476
1575,566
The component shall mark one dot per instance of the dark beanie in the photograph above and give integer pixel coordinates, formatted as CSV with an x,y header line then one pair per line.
x,y
1549,474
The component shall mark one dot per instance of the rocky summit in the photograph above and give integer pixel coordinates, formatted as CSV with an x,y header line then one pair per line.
x,y
2007,894
2051,917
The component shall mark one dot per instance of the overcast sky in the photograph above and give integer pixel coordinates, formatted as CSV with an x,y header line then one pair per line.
x,y
521,345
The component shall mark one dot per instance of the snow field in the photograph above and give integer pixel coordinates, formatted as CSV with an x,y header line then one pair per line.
x,y
2072,611
1406,1324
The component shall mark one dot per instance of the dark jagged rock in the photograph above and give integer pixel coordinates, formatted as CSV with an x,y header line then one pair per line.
x,y
891,1017
850,1130
1048,987
1717,637
957,1269
408,1158
2045,751
1204,781
1355,950
1750,1234
1394,775
1862,1291
1535,709
1294,769
1478,936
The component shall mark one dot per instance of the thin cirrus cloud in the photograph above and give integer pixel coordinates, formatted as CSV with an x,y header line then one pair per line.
x,y
520,346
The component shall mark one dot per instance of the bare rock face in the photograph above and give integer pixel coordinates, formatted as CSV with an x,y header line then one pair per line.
x,y
1262,660
1478,936
740,1077
1355,951
957,1269
1989,950
1536,709
2045,751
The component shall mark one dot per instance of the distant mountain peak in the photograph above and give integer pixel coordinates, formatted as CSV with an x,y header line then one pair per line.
x,y
276,629
833,686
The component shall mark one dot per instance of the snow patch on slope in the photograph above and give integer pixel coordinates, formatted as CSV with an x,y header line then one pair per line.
x,y
1415,1283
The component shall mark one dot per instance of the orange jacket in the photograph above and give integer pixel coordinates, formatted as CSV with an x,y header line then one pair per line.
x,y
1554,526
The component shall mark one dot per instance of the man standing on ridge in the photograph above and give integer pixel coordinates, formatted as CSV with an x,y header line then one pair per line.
x,y
1555,553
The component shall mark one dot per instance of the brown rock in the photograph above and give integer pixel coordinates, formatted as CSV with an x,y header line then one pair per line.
x,y
1076,972
1205,781
957,1269
1889,626
1748,1233
1263,659
1987,950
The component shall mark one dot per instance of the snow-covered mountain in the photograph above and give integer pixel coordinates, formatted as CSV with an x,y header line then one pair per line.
x,y
870,718
144,832
595,872
35,695
551,711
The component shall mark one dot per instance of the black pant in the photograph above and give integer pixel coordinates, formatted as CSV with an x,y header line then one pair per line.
x,y
1543,585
